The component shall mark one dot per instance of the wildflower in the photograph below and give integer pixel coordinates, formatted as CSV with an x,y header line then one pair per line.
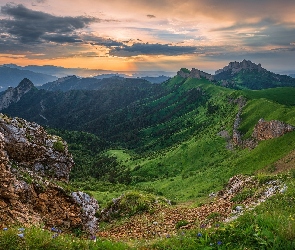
x,y
5,229
54,229
93,237
217,225
21,235
203,226
219,243
168,236
55,235
199,235
21,229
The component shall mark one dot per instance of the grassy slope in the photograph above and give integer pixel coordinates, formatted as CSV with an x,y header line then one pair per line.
x,y
182,171
198,164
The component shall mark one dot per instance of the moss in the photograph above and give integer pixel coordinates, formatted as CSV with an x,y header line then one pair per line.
x,y
58,146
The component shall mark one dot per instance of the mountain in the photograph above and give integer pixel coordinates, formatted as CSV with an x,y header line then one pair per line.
x,y
249,75
224,156
242,75
10,77
114,82
152,79
85,72
73,109
13,95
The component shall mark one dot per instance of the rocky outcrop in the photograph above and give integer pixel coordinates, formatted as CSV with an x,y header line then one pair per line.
x,y
12,95
31,163
195,73
235,67
30,147
89,207
265,130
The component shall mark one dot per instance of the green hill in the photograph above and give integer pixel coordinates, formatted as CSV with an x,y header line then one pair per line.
x,y
174,140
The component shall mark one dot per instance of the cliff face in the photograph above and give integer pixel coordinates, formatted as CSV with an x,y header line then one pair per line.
x,y
31,161
12,95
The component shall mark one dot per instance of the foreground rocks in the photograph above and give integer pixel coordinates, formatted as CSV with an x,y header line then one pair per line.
x,y
31,164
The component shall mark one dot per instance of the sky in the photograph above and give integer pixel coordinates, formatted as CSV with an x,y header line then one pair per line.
x,y
138,35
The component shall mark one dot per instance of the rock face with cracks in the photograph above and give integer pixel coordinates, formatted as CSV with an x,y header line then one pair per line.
x,y
31,163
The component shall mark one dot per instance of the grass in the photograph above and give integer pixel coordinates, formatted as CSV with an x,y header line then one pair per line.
x,y
283,96
35,238
269,226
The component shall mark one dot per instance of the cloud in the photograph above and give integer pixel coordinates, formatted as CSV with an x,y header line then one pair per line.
x,y
29,26
151,49
265,32
151,16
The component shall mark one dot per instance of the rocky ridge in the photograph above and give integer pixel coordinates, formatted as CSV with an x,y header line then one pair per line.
x,y
236,67
31,164
233,68
195,73
12,95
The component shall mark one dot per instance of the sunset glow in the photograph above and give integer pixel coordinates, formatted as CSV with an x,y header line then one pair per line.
x,y
147,35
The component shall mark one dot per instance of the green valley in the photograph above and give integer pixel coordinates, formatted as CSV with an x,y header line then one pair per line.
x,y
171,145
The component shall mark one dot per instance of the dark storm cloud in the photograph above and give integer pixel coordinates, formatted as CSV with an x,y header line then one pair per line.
x,y
151,16
29,26
151,49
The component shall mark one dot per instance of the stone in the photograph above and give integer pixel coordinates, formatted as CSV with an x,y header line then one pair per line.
x,y
29,162
265,130
235,67
12,95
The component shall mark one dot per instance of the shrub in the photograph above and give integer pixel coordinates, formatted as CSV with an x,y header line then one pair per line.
x,y
58,146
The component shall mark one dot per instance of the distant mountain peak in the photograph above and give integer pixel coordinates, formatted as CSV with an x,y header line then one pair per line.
x,y
194,73
235,67
12,95
25,84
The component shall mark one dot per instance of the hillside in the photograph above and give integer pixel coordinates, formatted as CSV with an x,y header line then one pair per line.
x,y
170,162
75,83
173,136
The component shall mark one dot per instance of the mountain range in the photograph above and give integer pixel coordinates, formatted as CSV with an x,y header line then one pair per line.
x,y
11,77
221,146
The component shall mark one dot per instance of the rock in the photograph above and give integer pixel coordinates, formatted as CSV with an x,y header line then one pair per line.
x,y
30,160
195,73
12,95
29,146
89,207
235,67
265,130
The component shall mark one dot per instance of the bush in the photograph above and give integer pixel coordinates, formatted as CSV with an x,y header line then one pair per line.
x,y
59,146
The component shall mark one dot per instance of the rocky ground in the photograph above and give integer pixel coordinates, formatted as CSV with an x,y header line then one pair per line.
x,y
242,193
